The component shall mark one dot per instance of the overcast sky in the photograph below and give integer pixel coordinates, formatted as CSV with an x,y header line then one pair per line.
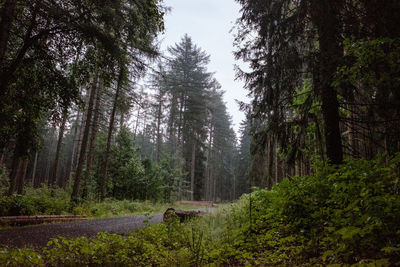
x,y
209,22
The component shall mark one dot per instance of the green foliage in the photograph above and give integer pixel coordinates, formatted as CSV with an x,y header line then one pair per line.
x,y
339,215
126,168
51,201
42,201
135,179
20,257
43,87
376,63
106,249
113,208
343,216
170,175
172,244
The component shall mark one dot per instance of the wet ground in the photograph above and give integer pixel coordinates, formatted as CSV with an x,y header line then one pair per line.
x,y
39,235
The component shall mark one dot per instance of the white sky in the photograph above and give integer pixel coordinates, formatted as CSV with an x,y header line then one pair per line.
x,y
209,22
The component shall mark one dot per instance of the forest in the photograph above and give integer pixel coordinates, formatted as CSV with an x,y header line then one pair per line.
x,y
97,120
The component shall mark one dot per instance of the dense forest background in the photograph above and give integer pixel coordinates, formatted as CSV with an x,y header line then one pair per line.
x,y
89,104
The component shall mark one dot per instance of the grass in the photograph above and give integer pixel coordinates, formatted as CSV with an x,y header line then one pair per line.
x,y
337,216
165,244
115,208
51,201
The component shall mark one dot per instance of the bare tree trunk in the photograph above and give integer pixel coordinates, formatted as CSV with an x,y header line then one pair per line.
x,y
74,146
34,168
21,176
192,171
122,120
276,155
137,118
180,125
234,188
16,165
109,136
144,125
209,185
214,182
54,179
2,156
325,17
48,160
158,150
82,156
92,142
81,131
270,162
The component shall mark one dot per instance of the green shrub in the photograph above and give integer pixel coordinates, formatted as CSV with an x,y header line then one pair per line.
x,y
42,201
55,201
15,206
20,257
106,249
337,215
113,208
346,216
172,244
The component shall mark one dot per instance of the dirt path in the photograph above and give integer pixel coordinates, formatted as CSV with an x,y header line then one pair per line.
x,y
38,236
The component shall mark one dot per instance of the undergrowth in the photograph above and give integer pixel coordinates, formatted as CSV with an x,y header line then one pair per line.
x,y
344,216
55,201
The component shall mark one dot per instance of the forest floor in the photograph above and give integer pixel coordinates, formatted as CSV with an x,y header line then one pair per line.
x,y
38,236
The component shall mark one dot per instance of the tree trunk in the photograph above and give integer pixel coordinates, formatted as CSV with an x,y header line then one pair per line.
x,y
209,182
2,155
122,120
158,150
92,142
54,179
16,165
109,136
34,168
81,130
192,171
137,117
270,162
325,16
21,176
180,123
82,156
234,188
214,183
48,160
74,146
276,155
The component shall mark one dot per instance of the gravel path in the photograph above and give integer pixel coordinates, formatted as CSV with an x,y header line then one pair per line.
x,y
38,236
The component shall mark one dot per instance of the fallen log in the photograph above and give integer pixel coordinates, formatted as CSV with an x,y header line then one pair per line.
x,y
27,220
183,215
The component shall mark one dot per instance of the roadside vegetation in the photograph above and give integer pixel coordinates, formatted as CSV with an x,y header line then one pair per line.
x,y
345,215
56,201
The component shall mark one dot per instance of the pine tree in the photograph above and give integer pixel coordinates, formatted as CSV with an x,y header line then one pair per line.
x,y
187,83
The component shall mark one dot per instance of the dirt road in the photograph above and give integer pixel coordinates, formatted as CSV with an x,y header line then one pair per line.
x,y
38,236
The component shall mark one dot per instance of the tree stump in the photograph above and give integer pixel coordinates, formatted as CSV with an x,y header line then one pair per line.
x,y
183,215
